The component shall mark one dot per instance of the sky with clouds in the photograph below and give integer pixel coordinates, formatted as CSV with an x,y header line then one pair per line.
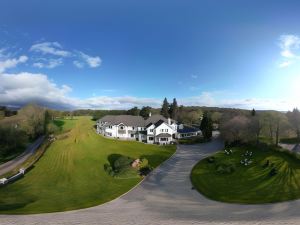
x,y
120,54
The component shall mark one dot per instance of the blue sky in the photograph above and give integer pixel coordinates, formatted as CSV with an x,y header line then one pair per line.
x,y
119,54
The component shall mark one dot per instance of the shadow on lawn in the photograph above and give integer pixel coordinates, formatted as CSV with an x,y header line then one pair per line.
x,y
59,124
14,199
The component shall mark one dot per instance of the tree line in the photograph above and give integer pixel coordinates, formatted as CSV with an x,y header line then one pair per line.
x,y
255,127
16,131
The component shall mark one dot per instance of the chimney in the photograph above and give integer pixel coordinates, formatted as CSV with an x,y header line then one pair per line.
x,y
169,121
150,114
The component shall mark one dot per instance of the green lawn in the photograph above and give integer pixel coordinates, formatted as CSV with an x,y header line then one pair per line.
x,y
250,184
71,173
64,125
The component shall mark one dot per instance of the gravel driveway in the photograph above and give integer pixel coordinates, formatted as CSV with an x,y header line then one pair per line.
x,y
166,197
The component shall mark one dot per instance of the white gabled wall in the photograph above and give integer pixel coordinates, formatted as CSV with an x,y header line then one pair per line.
x,y
162,129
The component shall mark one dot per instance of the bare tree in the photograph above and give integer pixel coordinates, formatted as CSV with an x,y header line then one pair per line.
x,y
294,119
237,129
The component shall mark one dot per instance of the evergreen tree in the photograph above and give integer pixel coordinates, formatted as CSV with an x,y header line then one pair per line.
x,y
145,111
174,110
206,126
253,112
165,109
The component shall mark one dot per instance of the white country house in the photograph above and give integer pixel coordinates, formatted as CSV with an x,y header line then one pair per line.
x,y
154,130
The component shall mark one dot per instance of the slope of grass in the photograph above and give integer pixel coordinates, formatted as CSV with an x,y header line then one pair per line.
x,y
71,173
250,184
64,125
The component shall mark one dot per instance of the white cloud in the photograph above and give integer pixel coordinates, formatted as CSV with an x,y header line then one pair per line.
x,y
23,88
53,48
78,64
289,45
92,62
45,63
20,89
11,63
285,64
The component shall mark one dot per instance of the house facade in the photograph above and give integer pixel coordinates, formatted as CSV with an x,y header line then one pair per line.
x,y
154,130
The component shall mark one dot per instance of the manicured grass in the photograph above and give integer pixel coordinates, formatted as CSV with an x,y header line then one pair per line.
x,y
71,173
64,125
250,184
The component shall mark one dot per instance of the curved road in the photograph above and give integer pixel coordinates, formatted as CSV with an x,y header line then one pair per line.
x,y
166,197
30,150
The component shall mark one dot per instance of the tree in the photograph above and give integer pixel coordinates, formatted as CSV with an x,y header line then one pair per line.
x,y
34,120
206,126
216,117
135,111
46,120
236,130
253,112
165,108
275,124
2,114
256,125
174,110
145,111
294,119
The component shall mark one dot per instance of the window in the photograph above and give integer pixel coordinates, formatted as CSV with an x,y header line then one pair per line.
x,y
166,130
161,130
151,130
122,128
163,139
151,138
132,135
109,127
133,128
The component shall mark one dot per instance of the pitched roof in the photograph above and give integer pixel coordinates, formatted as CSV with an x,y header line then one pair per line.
x,y
136,121
187,129
149,125
127,120
155,118
158,123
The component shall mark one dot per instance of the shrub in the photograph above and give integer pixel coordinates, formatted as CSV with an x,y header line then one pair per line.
x,y
145,171
122,161
109,170
211,159
144,163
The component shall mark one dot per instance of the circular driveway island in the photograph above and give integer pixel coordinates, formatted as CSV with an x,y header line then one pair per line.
x,y
167,197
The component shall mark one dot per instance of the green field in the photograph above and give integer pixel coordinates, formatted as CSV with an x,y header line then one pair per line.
x,y
226,179
71,173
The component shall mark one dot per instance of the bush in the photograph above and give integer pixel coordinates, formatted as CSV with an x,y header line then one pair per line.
x,y
145,171
122,161
144,163
109,170
211,159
